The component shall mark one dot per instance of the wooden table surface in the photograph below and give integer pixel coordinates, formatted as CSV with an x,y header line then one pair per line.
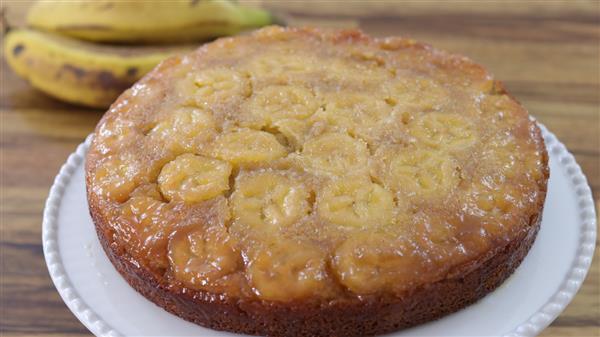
x,y
546,52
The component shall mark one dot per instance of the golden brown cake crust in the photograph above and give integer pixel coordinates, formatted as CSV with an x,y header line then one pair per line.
x,y
463,219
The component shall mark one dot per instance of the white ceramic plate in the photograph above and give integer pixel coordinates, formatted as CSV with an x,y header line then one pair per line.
x,y
525,304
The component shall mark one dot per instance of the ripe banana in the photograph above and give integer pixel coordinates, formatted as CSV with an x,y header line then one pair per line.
x,y
79,72
144,21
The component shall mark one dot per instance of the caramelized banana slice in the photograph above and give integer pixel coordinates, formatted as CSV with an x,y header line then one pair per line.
x,y
293,130
115,178
335,154
115,134
286,270
246,147
268,201
357,114
216,85
417,172
369,262
211,87
145,223
281,102
416,94
201,256
444,131
366,74
185,129
191,178
355,202
281,66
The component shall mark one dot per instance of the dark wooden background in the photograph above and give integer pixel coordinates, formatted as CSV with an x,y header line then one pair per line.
x,y
546,52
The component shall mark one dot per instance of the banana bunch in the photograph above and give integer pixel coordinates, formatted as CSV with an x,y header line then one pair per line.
x,y
79,72
87,52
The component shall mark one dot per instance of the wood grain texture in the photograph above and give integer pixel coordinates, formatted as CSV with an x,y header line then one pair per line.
x,y
546,52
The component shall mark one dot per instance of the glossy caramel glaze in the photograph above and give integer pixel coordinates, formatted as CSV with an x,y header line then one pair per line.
x,y
293,165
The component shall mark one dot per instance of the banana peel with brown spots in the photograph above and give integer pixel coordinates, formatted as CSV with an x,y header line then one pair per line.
x,y
80,72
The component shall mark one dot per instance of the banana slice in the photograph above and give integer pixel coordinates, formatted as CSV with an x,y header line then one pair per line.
x,y
417,172
344,72
286,270
438,234
495,201
356,114
218,84
115,178
185,129
435,227
267,201
200,257
504,159
247,147
293,130
281,66
191,178
148,225
212,87
116,134
355,202
356,108
278,102
416,94
368,262
444,131
335,154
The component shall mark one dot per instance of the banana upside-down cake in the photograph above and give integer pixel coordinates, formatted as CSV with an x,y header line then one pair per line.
x,y
296,182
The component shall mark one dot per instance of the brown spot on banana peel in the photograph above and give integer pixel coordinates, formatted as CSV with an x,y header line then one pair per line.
x,y
132,71
102,79
107,80
78,72
18,49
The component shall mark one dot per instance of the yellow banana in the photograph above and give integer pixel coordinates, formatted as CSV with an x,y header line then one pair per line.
x,y
143,21
79,72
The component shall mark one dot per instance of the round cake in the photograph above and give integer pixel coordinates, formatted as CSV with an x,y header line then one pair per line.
x,y
298,182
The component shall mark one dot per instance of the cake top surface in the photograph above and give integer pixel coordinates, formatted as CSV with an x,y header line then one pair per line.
x,y
294,163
